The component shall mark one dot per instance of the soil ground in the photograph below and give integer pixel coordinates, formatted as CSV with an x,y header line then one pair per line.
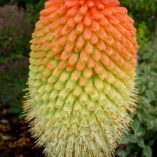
x,y
15,140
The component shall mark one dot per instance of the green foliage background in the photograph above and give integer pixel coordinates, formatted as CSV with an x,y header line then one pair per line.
x,y
142,139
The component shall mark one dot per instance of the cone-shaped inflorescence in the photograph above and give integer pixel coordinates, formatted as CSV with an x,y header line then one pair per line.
x,y
82,76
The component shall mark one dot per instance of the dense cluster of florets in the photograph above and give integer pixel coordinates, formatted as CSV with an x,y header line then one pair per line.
x,y
82,77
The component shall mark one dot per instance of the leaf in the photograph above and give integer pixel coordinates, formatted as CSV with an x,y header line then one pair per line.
x,y
141,143
6,138
136,126
131,139
122,153
147,151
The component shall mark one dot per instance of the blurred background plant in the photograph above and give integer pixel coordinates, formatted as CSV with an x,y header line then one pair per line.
x,y
17,20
